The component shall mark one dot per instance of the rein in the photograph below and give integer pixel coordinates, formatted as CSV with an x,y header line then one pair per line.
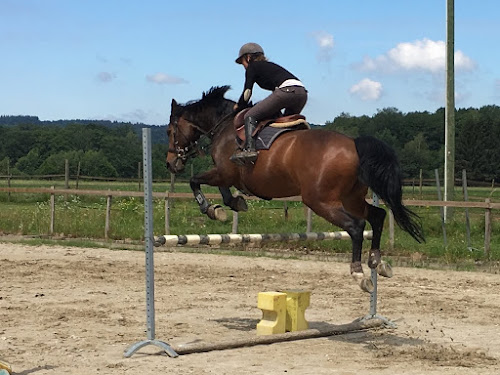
x,y
184,153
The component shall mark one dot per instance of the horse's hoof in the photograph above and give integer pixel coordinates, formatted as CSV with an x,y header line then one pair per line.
x,y
240,204
384,269
374,259
220,214
356,268
216,212
366,285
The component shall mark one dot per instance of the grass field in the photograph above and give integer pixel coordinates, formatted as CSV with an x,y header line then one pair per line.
x,y
84,217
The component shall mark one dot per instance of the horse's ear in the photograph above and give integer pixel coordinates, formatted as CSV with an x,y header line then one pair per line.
x,y
174,103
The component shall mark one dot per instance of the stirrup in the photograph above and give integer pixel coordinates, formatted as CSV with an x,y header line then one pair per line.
x,y
244,157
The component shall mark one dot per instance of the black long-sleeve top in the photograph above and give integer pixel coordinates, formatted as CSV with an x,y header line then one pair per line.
x,y
266,74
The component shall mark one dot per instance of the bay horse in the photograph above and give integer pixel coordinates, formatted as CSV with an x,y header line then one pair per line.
x,y
330,171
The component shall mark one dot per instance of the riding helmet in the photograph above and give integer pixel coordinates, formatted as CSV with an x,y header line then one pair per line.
x,y
248,48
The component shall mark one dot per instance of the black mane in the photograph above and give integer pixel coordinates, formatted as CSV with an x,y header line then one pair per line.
x,y
212,98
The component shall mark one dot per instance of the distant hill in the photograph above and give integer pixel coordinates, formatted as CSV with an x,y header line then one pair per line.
x,y
158,133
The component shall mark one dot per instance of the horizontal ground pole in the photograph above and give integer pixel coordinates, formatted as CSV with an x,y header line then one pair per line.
x,y
217,239
356,326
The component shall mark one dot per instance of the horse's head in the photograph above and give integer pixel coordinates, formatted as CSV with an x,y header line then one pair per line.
x,y
182,136
188,122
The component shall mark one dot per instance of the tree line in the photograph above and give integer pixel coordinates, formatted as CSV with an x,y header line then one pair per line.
x,y
98,148
111,149
418,138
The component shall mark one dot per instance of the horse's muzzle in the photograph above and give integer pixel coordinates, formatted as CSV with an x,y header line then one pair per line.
x,y
175,166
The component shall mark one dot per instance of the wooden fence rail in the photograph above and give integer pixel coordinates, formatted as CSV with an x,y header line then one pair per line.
x,y
408,182
487,205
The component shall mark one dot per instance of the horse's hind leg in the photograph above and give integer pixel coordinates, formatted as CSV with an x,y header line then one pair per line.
x,y
354,227
376,217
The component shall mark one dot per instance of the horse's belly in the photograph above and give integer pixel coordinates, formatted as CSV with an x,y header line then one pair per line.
x,y
275,192
271,186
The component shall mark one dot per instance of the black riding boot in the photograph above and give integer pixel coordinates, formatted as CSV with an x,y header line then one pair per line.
x,y
248,154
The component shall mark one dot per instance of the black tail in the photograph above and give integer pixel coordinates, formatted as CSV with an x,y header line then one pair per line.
x,y
379,169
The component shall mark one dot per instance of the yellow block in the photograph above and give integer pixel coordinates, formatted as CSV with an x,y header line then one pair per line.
x,y
297,301
273,306
5,366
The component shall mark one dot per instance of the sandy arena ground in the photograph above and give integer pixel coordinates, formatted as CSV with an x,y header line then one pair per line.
x,y
75,311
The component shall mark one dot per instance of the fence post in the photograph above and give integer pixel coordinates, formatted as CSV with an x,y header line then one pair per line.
x,y
78,174
8,178
108,214
487,228
66,173
421,183
167,214
52,211
172,187
466,198
309,220
234,228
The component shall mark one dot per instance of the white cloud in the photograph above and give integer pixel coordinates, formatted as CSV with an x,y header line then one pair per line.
x,y
106,77
366,89
325,43
422,55
165,79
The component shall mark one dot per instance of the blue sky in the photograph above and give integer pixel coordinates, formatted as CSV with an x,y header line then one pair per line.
x,y
126,60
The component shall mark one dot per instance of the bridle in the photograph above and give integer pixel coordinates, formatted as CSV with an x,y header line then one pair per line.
x,y
193,147
182,153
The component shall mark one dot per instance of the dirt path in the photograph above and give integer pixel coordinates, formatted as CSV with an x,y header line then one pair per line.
x,y
74,311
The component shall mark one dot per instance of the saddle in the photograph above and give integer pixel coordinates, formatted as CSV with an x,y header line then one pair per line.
x,y
291,122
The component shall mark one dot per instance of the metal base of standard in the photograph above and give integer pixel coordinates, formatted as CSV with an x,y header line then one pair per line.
x,y
387,323
168,349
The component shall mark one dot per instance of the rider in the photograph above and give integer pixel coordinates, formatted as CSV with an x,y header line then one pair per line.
x,y
287,92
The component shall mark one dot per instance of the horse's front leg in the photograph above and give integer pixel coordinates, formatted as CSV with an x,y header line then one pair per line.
x,y
213,211
237,203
